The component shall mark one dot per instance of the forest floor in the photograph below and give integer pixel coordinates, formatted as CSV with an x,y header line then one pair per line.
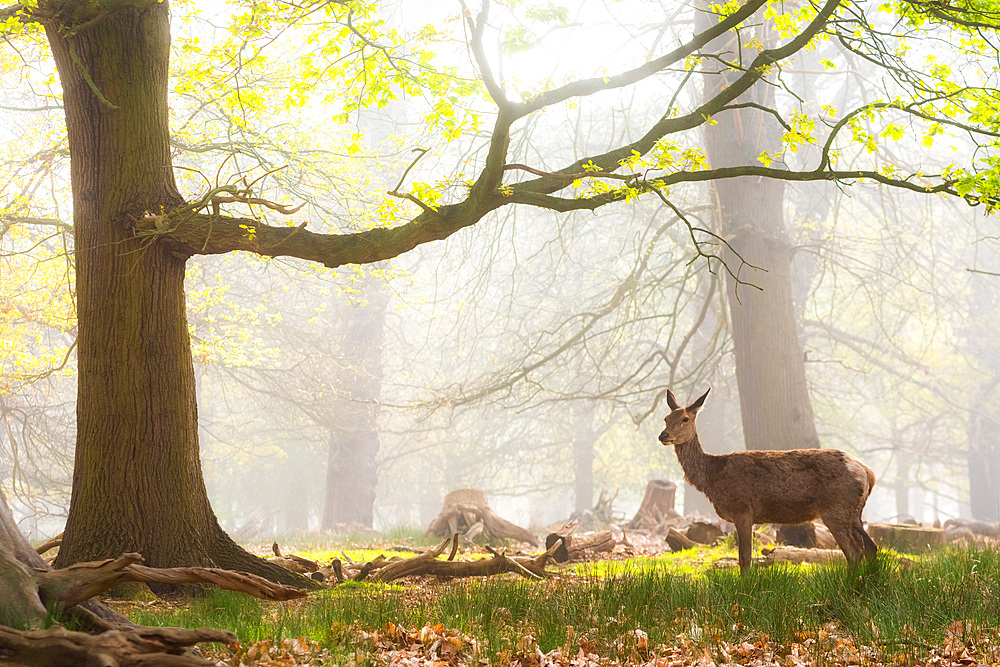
x,y
641,606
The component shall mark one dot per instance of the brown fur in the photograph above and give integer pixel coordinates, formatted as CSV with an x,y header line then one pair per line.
x,y
791,486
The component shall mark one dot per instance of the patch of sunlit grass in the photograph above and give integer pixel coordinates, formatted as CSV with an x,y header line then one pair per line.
x,y
613,608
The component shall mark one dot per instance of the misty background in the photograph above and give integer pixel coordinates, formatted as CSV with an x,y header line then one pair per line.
x,y
526,356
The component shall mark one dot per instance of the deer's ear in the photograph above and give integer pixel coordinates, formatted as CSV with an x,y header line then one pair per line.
x,y
671,401
694,407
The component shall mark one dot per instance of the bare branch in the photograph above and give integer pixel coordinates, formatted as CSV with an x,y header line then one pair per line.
x,y
477,27
586,87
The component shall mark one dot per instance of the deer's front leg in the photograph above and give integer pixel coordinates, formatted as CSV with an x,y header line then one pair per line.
x,y
744,535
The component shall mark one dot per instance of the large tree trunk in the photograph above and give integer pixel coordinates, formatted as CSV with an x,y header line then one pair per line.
x,y
352,470
137,482
770,367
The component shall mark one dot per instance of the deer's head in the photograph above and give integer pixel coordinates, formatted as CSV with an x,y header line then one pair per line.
x,y
679,424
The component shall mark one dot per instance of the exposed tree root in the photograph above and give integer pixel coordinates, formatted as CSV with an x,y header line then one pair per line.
x,y
58,647
82,581
30,589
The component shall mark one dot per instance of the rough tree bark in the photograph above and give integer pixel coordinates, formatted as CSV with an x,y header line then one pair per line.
x,y
770,368
137,482
34,598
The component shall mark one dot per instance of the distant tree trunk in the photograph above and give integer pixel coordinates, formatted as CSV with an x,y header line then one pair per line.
x,y
903,464
984,415
295,500
770,367
352,470
137,482
584,437
984,464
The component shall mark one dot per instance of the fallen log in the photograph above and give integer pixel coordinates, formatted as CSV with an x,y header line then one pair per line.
x,y
428,563
798,555
704,532
678,541
578,548
292,562
807,535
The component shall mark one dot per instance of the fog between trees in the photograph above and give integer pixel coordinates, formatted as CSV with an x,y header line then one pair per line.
x,y
533,348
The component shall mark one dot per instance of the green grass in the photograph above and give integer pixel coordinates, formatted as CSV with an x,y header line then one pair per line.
x,y
894,608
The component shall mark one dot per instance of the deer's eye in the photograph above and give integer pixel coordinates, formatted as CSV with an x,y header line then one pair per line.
x,y
685,419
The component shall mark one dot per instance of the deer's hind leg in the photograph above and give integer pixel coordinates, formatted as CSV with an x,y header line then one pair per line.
x,y
863,538
844,532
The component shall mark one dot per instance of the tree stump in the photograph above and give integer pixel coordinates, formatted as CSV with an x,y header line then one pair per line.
x,y
467,513
906,537
657,508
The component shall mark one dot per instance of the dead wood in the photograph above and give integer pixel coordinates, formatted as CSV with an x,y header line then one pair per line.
x,y
906,536
30,590
51,544
704,532
797,555
467,512
292,562
976,527
678,541
295,564
146,647
559,538
811,534
657,509
579,547
406,550
428,563
600,516
79,582
603,511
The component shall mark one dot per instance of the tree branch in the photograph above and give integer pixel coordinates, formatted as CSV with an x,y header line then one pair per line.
x,y
594,85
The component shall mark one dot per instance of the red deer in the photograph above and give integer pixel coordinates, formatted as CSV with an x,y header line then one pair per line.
x,y
790,486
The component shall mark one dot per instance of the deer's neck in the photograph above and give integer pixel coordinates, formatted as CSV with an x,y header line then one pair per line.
x,y
695,463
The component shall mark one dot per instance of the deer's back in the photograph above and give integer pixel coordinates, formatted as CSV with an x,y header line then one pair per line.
x,y
790,486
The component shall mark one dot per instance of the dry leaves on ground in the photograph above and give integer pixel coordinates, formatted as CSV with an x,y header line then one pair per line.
x,y
438,646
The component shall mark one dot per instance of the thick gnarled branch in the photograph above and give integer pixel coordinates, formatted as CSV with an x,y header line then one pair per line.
x,y
80,582
59,647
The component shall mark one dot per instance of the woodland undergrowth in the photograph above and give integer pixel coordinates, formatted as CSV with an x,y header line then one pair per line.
x,y
941,609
